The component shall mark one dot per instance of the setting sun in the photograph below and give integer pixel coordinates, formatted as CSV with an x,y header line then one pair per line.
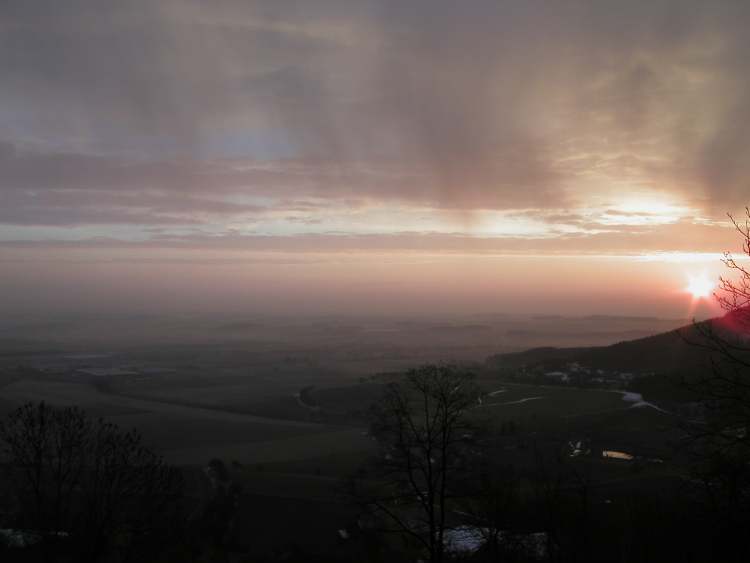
x,y
700,286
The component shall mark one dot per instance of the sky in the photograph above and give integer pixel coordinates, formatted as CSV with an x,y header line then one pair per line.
x,y
377,156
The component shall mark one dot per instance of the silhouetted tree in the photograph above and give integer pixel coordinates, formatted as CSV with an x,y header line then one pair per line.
x,y
422,426
720,438
84,483
220,512
495,507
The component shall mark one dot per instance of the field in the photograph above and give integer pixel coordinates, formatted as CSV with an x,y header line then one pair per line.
x,y
291,422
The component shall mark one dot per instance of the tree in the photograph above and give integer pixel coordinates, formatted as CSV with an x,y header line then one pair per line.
x,y
46,449
220,513
720,438
84,480
422,426
724,388
495,507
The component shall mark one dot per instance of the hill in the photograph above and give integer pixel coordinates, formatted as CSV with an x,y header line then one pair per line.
x,y
674,352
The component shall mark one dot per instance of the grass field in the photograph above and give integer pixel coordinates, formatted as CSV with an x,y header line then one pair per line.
x,y
293,461
255,420
190,434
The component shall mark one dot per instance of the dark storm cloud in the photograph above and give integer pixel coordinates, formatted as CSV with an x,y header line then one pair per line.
x,y
136,111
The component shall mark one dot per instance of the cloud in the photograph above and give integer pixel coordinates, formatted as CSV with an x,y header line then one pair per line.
x,y
625,240
186,113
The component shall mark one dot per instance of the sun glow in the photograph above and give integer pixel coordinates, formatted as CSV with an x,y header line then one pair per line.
x,y
700,286
644,209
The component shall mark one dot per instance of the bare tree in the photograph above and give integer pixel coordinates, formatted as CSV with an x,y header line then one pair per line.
x,y
719,439
126,491
724,388
85,480
422,426
494,508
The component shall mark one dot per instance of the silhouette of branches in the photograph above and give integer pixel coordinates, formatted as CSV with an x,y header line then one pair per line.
x,y
84,483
